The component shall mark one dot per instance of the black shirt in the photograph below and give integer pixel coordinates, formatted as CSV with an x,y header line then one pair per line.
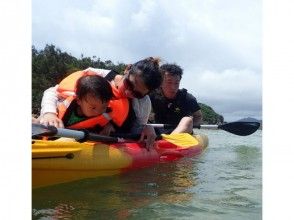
x,y
171,111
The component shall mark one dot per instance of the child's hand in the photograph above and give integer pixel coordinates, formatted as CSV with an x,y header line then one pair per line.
x,y
51,119
107,129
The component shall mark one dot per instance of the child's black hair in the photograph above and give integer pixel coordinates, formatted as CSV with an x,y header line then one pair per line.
x,y
94,85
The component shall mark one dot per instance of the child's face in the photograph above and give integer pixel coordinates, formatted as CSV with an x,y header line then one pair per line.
x,y
91,106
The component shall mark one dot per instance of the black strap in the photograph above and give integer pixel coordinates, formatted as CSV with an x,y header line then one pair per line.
x,y
110,76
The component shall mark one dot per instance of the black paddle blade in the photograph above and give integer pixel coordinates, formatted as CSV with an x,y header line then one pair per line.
x,y
241,128
42,130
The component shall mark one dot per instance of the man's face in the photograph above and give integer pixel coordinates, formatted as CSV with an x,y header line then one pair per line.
x,y
170,85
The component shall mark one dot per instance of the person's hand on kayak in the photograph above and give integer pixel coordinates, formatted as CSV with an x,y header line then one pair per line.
x,y
107,129
148,136
50,118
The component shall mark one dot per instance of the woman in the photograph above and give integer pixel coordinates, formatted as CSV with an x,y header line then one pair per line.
x,y
138,80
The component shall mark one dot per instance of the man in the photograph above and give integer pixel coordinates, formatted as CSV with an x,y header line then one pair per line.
x,y
172,105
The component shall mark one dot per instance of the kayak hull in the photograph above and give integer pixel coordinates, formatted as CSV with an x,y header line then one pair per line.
x,y
64,160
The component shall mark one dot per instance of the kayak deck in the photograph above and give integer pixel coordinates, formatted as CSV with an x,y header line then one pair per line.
x,y
61,161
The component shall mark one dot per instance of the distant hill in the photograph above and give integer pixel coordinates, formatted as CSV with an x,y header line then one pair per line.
x,y
210,116
250,119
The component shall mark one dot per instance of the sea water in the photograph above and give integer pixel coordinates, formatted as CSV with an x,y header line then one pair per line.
x,y
225,182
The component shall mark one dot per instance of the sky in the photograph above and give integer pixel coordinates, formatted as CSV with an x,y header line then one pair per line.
x,y
218,43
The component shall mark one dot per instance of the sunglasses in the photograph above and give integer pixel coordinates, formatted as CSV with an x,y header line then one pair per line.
x,y
130,87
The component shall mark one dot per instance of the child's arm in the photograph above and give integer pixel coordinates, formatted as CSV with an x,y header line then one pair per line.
x,y
49,101
48,108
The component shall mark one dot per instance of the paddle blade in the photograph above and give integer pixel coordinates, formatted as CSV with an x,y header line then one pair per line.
x,y
240,127
38,129
184,140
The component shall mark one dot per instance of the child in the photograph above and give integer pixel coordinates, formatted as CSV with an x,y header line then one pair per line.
x,y
84,110
93,94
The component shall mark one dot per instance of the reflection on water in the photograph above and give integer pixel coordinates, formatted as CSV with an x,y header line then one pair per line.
x,y
224,183
118,196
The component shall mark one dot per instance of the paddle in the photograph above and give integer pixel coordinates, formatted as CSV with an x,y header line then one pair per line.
x,y
42,130
83,135
242,128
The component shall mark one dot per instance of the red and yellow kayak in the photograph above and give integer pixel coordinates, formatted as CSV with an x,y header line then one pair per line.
x,y
65,160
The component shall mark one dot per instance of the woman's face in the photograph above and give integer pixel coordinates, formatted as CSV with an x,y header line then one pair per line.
x,y
170,85
92,106
133,86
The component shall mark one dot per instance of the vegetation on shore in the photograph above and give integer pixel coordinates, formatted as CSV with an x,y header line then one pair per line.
x,y
50,65
210,116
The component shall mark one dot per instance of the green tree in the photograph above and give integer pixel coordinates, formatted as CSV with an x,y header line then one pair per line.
x,y
210,116
50,65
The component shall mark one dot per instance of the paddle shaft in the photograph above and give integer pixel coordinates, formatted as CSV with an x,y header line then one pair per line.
x,y
174,126
52,131
84,135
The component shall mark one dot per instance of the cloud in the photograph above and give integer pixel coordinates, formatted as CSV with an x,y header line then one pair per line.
x,y
233,93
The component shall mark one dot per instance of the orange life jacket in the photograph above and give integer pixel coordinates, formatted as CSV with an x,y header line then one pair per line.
x,y
119,112
119,107
67,86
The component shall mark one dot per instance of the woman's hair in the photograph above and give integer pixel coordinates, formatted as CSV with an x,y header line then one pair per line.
x,y
149,70
173,69
94,85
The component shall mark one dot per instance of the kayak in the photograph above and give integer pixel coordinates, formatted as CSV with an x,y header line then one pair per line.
x,y
65,160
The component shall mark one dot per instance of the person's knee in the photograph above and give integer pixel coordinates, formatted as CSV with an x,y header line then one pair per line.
x,y
187,123
190,120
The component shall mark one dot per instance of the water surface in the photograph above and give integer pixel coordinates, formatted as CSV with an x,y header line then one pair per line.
x,y
225,182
